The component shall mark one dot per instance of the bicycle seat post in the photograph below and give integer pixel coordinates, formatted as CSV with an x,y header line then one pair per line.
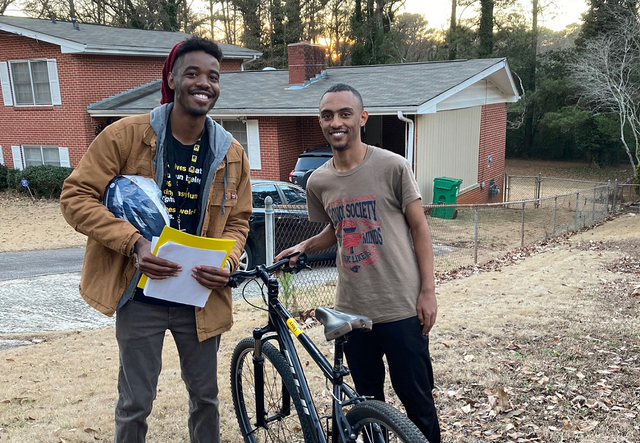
x,y
338,361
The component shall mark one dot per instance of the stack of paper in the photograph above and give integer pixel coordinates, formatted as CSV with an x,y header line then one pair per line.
x,y
188,251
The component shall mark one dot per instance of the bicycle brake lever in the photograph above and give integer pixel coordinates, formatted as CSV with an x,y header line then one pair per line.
x,y
301,264
235,281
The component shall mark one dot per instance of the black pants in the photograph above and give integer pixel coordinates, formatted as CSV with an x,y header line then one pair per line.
x,y
407,352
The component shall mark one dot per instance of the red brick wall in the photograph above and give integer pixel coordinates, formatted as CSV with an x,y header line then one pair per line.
x,y
305,61
84,79
230,64
493,127
282,139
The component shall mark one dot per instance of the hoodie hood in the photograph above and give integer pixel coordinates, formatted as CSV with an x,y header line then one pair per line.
x,y
219,143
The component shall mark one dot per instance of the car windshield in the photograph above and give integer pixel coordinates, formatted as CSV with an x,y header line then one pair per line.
x,y
261,191
306,163
294,195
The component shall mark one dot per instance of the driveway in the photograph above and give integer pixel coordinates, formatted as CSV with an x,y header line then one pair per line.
x,y
39,292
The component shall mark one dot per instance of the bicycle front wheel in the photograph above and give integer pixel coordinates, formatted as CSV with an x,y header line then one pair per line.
x,y
285,419
374,421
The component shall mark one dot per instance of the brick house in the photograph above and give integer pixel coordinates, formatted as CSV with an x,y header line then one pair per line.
x,y
447,118
50,71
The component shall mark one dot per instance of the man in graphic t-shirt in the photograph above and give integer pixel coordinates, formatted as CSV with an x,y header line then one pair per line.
x,y
203,174
371,201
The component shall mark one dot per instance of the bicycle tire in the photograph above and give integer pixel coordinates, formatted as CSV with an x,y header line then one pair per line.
x,y
394,427
295,427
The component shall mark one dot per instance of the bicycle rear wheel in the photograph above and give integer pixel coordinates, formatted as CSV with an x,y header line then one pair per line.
x,y
374,421
283,422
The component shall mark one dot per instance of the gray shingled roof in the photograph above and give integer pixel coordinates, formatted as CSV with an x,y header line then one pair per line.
x,y
384,88
107,39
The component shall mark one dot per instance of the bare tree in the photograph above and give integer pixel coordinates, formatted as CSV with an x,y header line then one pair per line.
x,y
607,74
4,4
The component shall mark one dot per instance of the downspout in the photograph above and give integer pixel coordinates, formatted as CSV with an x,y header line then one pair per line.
x,y
242,64
409,154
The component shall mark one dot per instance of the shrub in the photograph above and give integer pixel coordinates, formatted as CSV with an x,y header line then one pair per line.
x,y
44,181
3,177
12,175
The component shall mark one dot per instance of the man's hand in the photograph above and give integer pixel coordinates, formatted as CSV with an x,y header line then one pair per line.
x,y
211,277
299,248
427,309
154,267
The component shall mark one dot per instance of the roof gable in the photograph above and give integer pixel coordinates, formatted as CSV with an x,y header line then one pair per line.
x,y
99,39
414,88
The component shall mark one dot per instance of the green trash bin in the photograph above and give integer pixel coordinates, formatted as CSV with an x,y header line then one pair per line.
x,y
445,192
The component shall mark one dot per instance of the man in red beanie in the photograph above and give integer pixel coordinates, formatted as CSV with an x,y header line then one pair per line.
x,y
203,174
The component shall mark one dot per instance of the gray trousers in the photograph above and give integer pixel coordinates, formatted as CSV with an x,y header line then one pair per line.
x,y
140,331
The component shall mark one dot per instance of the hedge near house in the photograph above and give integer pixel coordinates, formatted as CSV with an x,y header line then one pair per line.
x,y
3,177
44,181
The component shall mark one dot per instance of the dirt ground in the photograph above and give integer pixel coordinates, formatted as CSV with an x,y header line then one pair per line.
x,y
28,225
540,346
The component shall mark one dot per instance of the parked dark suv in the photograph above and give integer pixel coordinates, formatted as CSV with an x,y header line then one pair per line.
x,y
309,161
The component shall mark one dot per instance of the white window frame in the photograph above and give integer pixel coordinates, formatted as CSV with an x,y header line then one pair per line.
x,y
9,83
252,147
63,154
1,156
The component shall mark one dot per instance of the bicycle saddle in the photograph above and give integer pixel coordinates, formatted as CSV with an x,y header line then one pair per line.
x,y
336,323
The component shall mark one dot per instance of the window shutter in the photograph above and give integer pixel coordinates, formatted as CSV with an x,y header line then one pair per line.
x,y
54,83
6,86
64,157
1,157
253,144
17,157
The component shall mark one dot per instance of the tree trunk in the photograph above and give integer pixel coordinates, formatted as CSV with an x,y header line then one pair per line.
x,y
531,87
72,9
453,53
380,14
485,33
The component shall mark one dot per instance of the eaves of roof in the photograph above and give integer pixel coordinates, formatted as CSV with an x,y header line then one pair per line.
x,y
413,88
106,40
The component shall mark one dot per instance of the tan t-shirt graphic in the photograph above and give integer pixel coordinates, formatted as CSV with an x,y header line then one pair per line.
x,y
377,268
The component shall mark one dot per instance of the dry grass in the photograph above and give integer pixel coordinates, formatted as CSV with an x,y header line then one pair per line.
x,y
546,350
573,170
557,332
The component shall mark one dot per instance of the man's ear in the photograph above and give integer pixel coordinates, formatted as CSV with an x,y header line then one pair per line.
x,y
363,118
171,81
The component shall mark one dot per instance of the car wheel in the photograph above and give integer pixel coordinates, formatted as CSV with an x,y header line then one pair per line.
x,y
246,259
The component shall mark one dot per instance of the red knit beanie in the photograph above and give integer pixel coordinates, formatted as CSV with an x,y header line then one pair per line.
x,y
167,92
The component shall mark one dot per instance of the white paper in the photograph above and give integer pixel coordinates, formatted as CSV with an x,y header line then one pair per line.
x,y
183,288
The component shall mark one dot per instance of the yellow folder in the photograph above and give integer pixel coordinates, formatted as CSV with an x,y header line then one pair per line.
x,y
170,234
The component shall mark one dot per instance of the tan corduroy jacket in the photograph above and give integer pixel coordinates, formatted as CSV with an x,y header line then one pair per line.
x,y
128,147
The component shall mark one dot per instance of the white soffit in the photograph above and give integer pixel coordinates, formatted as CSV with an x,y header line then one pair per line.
x,y
66,46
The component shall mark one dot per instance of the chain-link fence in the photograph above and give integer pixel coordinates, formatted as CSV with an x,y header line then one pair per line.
x,y
469,234
520,187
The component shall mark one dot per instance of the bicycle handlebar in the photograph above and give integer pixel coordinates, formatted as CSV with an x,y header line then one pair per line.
x,y
263,271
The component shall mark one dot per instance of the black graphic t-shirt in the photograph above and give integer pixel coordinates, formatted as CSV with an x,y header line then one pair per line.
x,y
182,184
181,190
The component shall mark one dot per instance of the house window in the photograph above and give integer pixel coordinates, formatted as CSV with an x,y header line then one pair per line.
x,y
248,135
36,155
30,83
238,129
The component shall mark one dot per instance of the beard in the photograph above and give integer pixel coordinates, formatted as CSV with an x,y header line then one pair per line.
x,y
197,112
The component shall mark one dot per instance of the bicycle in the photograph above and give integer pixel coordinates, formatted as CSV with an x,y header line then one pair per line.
x,y
267,378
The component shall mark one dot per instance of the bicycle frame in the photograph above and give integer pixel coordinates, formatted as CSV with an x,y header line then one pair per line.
x,y
278,327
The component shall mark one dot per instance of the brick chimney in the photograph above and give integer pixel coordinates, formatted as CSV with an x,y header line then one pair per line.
x,y
305,62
